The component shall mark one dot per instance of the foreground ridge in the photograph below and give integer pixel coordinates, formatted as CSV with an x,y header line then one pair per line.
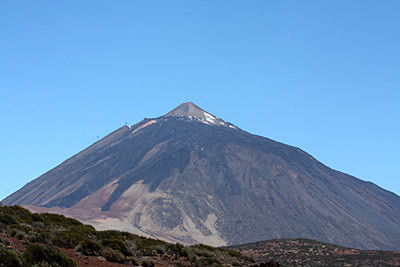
x,y
27,239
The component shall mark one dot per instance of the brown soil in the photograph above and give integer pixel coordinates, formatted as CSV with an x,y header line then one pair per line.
x,y
13,242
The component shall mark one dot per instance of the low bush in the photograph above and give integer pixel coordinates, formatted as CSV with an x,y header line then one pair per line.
x,y
8,219
237,254
192,257
160,249
112,255
9,258
176,248
38,253
117,244
21,227
206,247
204,253
111,234
131,261
18,212
234,253
36,217
44,237
20,235
59,220
144,249
147,263
89,247
67,239
207,262
85,230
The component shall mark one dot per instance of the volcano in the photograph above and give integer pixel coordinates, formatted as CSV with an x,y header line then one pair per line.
x,y
191,177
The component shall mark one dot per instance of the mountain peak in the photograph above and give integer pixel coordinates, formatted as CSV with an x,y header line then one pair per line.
x,y
187,109
192,111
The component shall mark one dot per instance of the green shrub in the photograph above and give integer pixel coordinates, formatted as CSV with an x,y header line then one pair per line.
x,y
118,245
8,219
20,235
237,254
179,247
112,255
85,230
147,244
176,248
207,262
67,239
131,261
160,249
205,253
88,247
234,253
147,263
21,227
30,238
192,257
45,264
43,237
9,258
185,252
144,248
59,220
131,245
206,247
38,225
111,234
38,253
21,214
36,217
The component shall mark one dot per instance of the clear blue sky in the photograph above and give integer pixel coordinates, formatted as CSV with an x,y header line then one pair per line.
x,y
320,75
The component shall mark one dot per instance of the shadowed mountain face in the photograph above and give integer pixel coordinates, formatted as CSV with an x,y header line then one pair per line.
x,y
191,177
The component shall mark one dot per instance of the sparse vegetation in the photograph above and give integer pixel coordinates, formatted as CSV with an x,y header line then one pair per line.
x,y
9,258
89,247
38,253
41,238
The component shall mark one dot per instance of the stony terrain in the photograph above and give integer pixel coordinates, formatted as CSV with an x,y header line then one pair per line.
x,y
305,252
191,177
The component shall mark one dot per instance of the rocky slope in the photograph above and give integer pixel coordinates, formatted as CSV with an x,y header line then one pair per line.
x,y
305,252
191,177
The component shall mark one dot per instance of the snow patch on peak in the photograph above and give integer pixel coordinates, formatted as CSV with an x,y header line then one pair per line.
x,y
190,111
208,117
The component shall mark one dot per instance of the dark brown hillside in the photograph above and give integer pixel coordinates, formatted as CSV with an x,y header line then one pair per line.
x,y
305,252
191,177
